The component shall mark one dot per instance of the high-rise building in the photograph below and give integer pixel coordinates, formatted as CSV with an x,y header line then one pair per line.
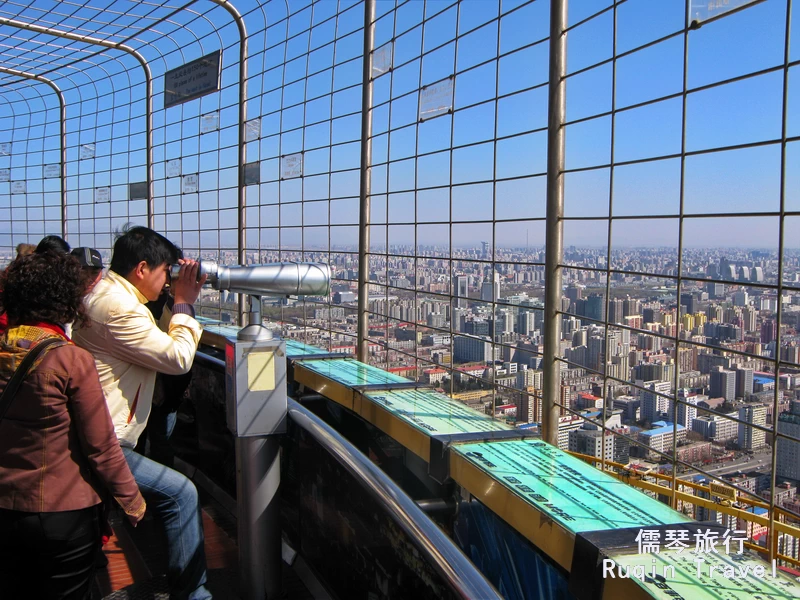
x,y
723,384
740,298
655,406
751,438
749,318
490,289
462,290
769,331
591,442
687,407
616,311
744,382
469,349
690,302
574,292
486,251
715,290
595,307
788,458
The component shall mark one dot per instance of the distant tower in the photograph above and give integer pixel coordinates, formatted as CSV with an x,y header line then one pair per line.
x,y
485,250
462,293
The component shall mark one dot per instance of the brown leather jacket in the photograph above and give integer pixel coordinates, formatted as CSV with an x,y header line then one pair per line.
x,y
58,450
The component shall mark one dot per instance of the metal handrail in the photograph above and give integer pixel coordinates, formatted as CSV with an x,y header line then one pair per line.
x,y
209,361
440,551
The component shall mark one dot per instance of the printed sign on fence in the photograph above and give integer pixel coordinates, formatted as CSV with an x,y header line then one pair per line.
x,y
174,167
436,99
209,122
102,194
292,166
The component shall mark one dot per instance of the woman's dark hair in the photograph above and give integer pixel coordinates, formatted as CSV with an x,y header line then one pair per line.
x,y
139,244
45,287
52,243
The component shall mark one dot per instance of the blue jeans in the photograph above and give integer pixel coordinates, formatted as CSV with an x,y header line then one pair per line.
x,y
160,426
174,499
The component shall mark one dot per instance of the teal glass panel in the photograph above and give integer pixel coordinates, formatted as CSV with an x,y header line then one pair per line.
x,y
434,413
574,494
351,372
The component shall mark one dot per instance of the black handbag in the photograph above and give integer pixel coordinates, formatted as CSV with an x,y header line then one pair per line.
x,y
10,391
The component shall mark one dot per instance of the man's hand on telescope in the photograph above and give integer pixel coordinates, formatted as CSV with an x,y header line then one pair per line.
x,y
187,287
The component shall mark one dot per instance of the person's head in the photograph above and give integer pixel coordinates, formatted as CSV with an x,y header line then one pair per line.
x,y
25,249
45,287
91,265
52,243
143,257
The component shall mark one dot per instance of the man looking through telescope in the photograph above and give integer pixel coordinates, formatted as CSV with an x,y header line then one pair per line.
x,y
129,348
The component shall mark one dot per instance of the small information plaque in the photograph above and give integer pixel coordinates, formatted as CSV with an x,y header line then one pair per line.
x,y
292,166
50,171
189,184
137,191
5,175
252,130
5,149
18,187
87,151
436,99
252,173
209,122
174,167
382,59
102,194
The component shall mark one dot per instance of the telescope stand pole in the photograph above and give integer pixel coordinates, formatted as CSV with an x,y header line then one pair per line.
x,y
258,476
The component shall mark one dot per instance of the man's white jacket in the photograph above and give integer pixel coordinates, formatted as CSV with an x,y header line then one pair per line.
x,y
129,349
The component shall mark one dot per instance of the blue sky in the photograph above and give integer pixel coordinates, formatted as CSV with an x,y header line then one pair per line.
x,y
306,90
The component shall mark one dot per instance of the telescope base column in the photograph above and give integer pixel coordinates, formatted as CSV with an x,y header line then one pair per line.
x,y
258,474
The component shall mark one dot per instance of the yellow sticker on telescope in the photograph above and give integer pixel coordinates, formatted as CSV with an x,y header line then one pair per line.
x,y
260,371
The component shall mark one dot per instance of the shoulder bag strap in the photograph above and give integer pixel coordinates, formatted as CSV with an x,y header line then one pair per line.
x,y
10,391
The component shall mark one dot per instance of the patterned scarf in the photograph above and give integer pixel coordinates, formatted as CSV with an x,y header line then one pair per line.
x,y
18,341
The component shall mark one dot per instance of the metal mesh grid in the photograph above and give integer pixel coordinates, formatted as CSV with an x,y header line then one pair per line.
x,y
458,196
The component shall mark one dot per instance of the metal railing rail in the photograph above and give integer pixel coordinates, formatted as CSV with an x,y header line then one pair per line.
x,y
439,550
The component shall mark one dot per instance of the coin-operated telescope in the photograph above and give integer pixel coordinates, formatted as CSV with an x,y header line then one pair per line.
x,y
255,390
275,279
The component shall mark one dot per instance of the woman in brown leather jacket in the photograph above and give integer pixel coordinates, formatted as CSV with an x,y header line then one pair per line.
x,y
58,452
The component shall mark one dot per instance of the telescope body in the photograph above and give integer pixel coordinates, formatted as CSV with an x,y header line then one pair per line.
x,y
274,279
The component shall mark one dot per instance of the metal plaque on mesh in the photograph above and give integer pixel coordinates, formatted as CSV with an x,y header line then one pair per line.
x,y
51,171
436,99
87,151
209,122
192,80
18,187
5,149
252,173
102,194
174,167
708,9
252,130
189,184
382,59
5,175
137,191
292,166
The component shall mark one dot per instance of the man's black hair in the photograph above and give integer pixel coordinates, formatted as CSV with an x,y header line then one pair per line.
x,y
139,244
52,243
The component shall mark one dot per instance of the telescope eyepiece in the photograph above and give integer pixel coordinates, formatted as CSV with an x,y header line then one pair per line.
x,y
207,267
